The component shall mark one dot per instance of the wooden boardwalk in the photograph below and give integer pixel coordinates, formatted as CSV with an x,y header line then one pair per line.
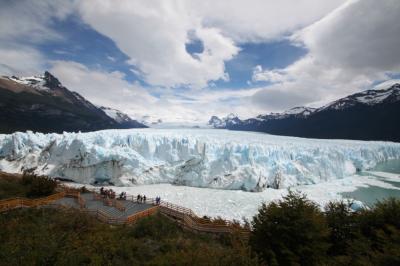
x,y
113,211
92,204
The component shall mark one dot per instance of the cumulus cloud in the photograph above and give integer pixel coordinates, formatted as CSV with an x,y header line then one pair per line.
x,y
349,49
153,33
361,36
23,24
20,60
29,21
112,90
275,75
351,45
261,20
386,84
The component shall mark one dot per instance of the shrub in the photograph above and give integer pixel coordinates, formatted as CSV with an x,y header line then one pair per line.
x,y
27,178
40,186
291,231
342,226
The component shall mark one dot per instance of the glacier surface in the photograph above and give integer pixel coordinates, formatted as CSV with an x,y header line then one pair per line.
x,y
192,157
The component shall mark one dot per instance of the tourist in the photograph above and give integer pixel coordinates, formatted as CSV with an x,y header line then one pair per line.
x,y
144,198
138,198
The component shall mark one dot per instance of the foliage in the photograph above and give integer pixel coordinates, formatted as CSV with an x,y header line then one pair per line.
x,y
343,227
290,231
293,231
39,186
68,237
10,186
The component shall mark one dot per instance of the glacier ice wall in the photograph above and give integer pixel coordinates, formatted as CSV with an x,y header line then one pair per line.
x,y
193,157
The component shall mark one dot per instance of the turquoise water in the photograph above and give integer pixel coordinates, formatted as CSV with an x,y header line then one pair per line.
x,y
369,195
392,166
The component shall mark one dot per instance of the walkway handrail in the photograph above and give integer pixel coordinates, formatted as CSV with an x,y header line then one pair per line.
x,y
188,218
81,201
13,203
132,218
118,205
191,220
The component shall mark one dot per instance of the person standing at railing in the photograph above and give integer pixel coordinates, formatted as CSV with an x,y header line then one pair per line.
x,y
138,198
158,200
144,198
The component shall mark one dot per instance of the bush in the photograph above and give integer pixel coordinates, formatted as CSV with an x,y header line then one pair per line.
x,y
39,186
27,178
343,227
292,231
69,237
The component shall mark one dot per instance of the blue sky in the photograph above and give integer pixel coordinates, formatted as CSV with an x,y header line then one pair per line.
x,y
183,61
85,45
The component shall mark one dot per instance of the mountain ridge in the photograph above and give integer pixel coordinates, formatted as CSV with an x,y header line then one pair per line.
x,y
367,115
43,104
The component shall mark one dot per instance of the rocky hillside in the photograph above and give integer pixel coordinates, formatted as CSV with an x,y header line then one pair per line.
x,y
368,115
43,104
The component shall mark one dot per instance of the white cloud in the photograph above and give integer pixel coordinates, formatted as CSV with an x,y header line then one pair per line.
x,y
20,60
153,33
29,21
112,90
386,84
22,24
349,50
261,20
276,75
361,36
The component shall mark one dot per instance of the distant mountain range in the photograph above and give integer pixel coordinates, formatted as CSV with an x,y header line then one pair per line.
x,y
43,104
368,115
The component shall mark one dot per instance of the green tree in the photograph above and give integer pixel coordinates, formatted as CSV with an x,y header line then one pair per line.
x,y
342,226
41,186
291,231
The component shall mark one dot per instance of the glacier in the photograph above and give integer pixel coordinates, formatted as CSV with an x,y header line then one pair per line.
x,y
208,158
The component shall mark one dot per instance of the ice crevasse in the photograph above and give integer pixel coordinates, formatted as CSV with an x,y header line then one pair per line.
x,y
192,157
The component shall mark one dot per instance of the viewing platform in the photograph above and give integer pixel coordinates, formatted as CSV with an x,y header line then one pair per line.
x,y
125,211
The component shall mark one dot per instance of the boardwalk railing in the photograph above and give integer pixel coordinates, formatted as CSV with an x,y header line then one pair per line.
x,y
117,204
188,219
185,216
191,221
9,204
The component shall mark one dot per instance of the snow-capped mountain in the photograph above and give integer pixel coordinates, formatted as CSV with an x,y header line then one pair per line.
x,y
369,97
224,122
299,112
121,118
368,115
42,103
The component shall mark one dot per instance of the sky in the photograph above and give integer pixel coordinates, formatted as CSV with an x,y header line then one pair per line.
x,y
186,60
